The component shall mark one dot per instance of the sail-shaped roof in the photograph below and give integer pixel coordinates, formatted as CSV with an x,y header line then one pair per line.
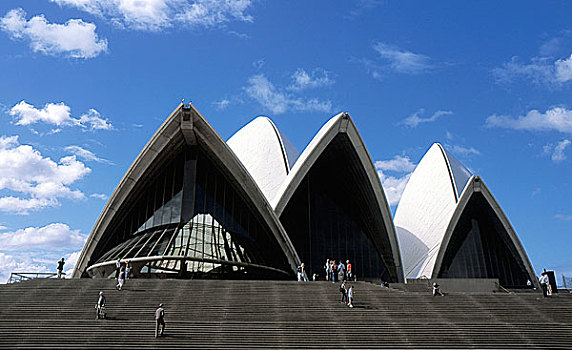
x,y
224,192
446,212
265,152
336,161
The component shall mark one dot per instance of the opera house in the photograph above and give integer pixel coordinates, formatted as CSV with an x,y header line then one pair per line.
x,y
193,205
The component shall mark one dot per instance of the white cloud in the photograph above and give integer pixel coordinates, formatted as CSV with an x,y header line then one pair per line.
x,y
557,151
99,196
316,78
10,263
540,70
402,61
24,170
75,38
555,119
462,150
563,217
222,104
393,186
86,155
398,164
51,236
563,69
278,101
155,15
58,114
414,120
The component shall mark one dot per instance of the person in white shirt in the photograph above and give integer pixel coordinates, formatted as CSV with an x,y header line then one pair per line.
x,y
351,296
544,283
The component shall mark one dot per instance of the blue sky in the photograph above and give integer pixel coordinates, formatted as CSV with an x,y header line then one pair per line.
x,y
84,84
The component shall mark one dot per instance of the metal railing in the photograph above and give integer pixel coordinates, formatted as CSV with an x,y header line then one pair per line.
x,y
23,276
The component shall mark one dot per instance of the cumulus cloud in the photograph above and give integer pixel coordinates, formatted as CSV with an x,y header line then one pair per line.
x,y
10,263
75,38
51,236
555,119
278,101
394,185
156,15
302,80
540,70
41,180
86,155
557,151
59,115
402,61
414,120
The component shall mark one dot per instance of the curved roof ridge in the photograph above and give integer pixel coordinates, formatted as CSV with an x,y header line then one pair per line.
x,y
474,185
338,124
458,173
266,155
424,210
186,125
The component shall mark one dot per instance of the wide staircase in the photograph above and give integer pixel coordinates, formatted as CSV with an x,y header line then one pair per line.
x,y
216,314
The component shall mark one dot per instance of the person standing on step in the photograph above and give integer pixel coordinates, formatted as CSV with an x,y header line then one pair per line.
x,y
348,270
351,294
544,284
127,270
117,269
100,307
61,264
334,271
159,321
341,271
327,268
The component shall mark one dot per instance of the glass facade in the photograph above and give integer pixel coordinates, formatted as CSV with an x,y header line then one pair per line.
x,y
195,217
333,214
480,247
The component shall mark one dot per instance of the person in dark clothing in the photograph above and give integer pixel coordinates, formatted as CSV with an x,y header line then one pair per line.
x,y
334,271
100,307
61,264
159,321
344,292
117,269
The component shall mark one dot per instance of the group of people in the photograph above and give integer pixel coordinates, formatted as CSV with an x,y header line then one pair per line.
x,y
347,294
122,273
338,271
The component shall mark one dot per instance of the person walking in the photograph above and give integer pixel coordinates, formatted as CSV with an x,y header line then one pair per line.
x,y
61,264
344,292
117,269
351,294
121,279
327,268
159,321
100,307
544,283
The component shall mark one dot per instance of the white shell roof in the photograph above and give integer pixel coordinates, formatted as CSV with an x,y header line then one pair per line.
x,y
426,208
265,152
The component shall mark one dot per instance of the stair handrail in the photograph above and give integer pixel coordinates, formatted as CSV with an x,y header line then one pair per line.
x,y
23,276
503,288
